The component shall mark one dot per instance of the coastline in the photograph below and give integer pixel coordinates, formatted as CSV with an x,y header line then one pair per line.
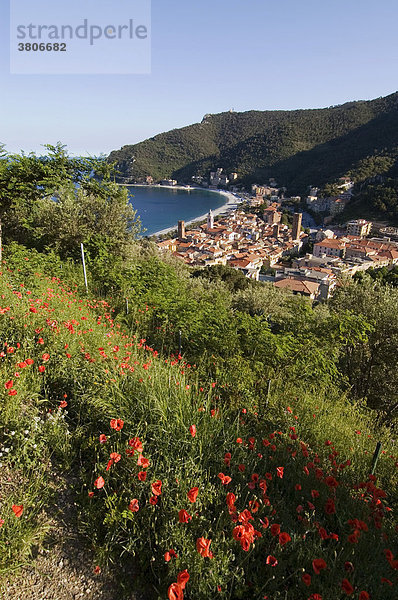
x,y
231,203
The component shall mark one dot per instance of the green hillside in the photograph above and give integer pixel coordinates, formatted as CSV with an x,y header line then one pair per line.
x,y
298,148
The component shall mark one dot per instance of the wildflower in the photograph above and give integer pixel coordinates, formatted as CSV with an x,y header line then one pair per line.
x,y
349,567
17,510
271,561
318,564
193,494
99,482
142,462
117,424
156,488
2,522
153,500
192,430
203,547
136,444
347,587
225,479
364,596
42,368
45,356
142,475
183,516
330,508
183,578
102,438
8,384
169,555
175,592
134,506
284,538
275,529
306,579
97,570
63,404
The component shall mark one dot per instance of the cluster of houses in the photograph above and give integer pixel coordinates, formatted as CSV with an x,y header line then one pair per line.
x,y
241,240
247,242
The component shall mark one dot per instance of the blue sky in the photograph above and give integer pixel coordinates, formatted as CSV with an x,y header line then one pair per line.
x,y
208,57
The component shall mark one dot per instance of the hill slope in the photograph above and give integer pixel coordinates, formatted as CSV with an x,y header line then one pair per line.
x,y
299,147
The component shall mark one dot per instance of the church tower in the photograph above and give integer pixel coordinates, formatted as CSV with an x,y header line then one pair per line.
x,y
210,220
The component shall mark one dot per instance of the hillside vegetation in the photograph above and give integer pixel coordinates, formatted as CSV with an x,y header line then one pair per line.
x,y
299,148
216,435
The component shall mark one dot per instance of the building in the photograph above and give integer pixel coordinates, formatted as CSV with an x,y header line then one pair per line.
x,y
329,247
301,287
210,220
359,228
181,230
297,218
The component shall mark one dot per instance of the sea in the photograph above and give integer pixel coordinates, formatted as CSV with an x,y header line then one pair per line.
x,y
160,207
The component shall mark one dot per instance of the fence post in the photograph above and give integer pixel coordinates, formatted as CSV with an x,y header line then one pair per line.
x,y
84,267
376,457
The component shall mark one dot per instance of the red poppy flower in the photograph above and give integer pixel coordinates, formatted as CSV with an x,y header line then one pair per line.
x,y
193,494
134,506
331,482
102,438
225,479
241,468
264,522
279,471
347,587
153,500
364,596
271,561
17,510
183,516
275,529
169,555
318,565
330,508
284,538
63,404
175,592
306,578
29,361
142,475
117,424
42,368
192,430
203,547
45,356
315,597
136,444
349,567
99,482
8,384
156,488
143,462
183,578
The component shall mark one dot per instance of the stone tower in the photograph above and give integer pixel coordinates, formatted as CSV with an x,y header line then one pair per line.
x,y
297,218
181,230
210,220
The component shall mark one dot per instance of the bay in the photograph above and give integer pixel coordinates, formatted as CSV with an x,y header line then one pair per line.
x,y
161,207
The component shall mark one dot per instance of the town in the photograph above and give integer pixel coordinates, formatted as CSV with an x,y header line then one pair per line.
x,y
253,239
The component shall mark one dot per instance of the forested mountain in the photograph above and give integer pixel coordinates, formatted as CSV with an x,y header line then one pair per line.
x,y
298,148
